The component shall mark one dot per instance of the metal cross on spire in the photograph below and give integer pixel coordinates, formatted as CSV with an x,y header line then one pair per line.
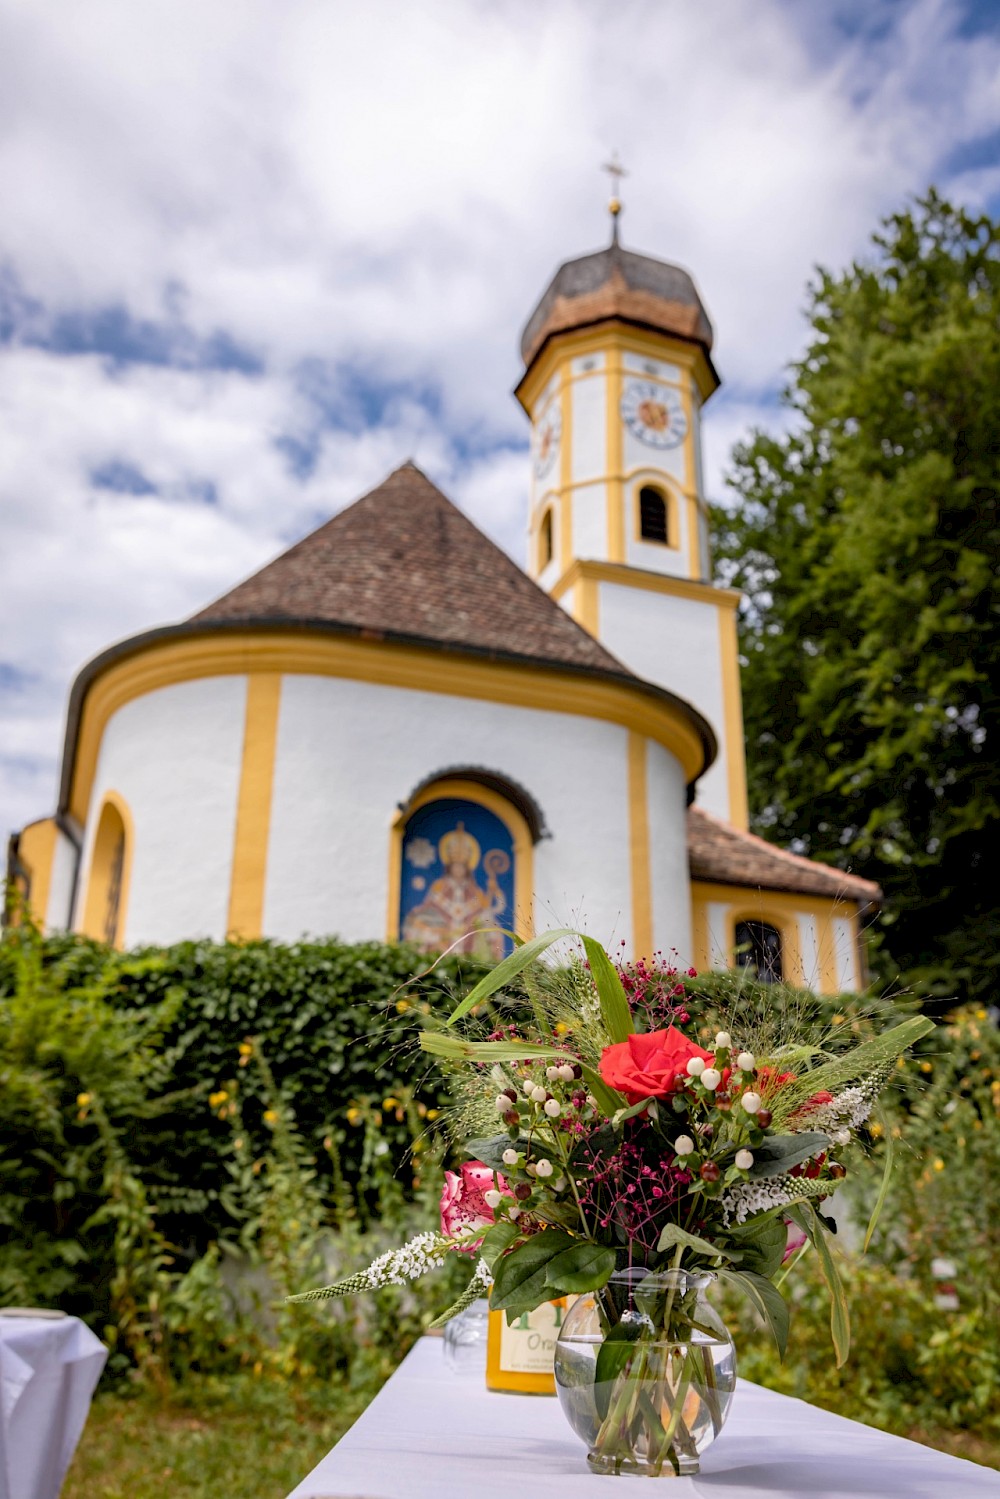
x,y
616,172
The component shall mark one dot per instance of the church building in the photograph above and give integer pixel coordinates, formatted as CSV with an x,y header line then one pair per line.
x,y
392,731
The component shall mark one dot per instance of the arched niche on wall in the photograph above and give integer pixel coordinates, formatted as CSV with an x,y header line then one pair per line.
x,y
106,898
461,864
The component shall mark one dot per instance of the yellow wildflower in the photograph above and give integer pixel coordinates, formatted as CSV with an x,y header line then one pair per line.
x,y
82,1100
560,1027
927,1066
270,1116
390,1103
433,1113
838,1020
939,1164
402,1005
214,1099
353,1115
246,1049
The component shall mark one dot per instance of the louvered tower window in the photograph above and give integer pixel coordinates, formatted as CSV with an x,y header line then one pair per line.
x,y
653,514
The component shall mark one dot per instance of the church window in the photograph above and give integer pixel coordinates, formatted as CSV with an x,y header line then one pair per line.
x,y
758,946
653,516
107,886
457,880
546,547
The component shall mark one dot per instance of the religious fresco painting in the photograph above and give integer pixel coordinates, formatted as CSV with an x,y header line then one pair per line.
x,y
457,881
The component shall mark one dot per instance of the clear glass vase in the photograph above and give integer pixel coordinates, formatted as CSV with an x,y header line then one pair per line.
x,y
645,1371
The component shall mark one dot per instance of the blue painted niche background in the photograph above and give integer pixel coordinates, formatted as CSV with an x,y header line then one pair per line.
x,y
434,910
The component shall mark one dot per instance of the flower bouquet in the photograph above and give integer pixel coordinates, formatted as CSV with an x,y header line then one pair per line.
x,y
614,1159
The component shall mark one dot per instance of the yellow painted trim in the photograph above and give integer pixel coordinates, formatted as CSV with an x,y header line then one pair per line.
x,y
615,461
524,853
541,561
99,874
565,474
732,717
36,849
636,577
586,598
702,958
639,848
695,568
245,652
253,809
781,909
826,953
654,479
609,334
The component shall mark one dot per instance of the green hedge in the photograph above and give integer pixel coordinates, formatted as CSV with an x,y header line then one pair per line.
x,y
331,1020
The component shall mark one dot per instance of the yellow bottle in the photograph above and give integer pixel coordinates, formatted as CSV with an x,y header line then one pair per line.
x,y
519,1357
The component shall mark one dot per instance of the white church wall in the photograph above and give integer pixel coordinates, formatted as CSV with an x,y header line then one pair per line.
x,y
674,642
666,794
845,953
175,756
719,947
589,430
590,522
812,976
348,753
57,913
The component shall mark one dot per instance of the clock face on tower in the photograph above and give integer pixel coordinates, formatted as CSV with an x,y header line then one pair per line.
x,y
655,413
546,442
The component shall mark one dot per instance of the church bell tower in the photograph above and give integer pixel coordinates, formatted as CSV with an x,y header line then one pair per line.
x,y
618,367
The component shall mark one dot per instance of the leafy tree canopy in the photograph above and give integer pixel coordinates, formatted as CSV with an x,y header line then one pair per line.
x,y
866,542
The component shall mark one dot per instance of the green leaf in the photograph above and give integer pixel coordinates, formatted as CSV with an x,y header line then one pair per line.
x,y
612,1356
455,1049
779,1153
607,1099
615,1012
516,1269
672,1236
584,1267
488,1150
767,1300
883,1190
761,1243
804,1215
520,959
498,1239
870,1056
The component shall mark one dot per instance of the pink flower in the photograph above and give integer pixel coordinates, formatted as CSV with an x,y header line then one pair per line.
x,y
464,1209
795,1238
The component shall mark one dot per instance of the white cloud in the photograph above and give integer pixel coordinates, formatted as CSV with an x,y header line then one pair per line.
x,y
378,193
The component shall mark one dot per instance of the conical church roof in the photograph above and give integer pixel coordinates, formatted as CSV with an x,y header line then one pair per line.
x,y
403,561
617,283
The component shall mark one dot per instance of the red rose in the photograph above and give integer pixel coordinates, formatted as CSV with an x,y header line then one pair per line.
x,y
649,1066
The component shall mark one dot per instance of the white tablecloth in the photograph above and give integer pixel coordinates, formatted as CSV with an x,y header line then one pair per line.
x,y
48,1370
432,1434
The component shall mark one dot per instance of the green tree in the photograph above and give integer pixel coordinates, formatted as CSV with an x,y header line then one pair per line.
x,y
866,542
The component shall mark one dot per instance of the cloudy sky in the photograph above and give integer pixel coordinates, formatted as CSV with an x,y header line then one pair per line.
x,y
255,253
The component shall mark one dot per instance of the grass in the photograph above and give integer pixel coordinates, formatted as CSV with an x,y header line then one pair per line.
x,y
244,1437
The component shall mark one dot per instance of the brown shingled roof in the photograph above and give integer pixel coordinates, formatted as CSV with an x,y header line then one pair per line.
x,y
727,856
403,560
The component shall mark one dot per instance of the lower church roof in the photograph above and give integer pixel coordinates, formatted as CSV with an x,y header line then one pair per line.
x,y
724,855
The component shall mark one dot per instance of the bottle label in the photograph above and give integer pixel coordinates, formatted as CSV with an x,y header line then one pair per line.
x,y
529,1344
